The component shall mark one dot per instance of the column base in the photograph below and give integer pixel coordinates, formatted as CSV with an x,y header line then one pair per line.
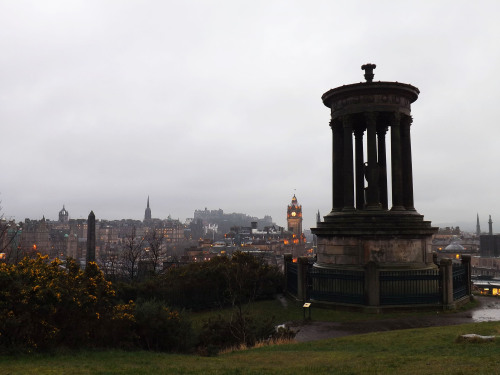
x,y
398,208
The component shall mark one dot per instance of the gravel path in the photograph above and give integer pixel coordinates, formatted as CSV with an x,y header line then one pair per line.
x,y
487,310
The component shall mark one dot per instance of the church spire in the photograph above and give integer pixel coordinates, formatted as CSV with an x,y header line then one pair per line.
x,y
478,227
147,213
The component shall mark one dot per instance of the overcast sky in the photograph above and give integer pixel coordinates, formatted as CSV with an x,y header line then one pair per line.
x,y
217,104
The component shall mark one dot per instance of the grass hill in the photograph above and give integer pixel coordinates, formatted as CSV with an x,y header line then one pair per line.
x,y
434,350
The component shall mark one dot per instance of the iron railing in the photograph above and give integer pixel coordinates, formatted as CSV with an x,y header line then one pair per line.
x,y
410,287
334,285
395,287
460,287
291,278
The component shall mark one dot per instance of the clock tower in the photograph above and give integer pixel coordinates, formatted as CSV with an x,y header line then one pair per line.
x,y
294,217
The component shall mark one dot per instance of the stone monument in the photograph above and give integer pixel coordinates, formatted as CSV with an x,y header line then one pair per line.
x,y
91,238
364,227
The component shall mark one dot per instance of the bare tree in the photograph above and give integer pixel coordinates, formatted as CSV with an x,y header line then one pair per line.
x,y
131,253
154,251
9,238
108,261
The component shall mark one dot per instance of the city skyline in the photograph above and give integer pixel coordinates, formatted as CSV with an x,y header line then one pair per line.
x,y
467,226
218,104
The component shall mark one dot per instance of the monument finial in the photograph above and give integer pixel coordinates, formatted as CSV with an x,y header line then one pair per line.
x,y
368,68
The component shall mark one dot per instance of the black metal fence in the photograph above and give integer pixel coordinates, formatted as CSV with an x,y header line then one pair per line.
x,y
384,288
460,281
291,278
410,287
333,285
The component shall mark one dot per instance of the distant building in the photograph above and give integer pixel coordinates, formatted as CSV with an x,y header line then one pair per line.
x,y
225,222
63,215
294,217
489,244
35,236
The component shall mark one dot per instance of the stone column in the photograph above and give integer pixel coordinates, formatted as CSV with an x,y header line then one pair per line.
x,y
382,164
360,178
373,199
348,164
446,271
372,284
407,172
397,180
337,165
91,238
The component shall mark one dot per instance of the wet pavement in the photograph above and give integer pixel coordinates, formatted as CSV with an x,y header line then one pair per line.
x,y
488,309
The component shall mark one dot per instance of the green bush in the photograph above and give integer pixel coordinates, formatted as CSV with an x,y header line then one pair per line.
x,y
44,305
160,328
222,281
240,328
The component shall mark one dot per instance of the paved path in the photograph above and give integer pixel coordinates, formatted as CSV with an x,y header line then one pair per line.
x,y
487,310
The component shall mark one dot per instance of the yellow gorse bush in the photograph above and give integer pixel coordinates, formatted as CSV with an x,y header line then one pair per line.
x,y
44,303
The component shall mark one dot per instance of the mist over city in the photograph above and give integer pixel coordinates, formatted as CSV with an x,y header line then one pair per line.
x,y
218,104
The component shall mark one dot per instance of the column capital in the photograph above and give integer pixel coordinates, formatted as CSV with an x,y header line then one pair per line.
x,y
358,132
382,130
347,121
395,119
407,120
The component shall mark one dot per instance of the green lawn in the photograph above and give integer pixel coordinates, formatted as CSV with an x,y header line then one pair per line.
x,y
417,351
293,313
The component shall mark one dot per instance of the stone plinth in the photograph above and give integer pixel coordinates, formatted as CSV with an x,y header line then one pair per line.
x,y
386,238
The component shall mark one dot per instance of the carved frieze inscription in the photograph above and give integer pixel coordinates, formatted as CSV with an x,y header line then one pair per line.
x,y
393,99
